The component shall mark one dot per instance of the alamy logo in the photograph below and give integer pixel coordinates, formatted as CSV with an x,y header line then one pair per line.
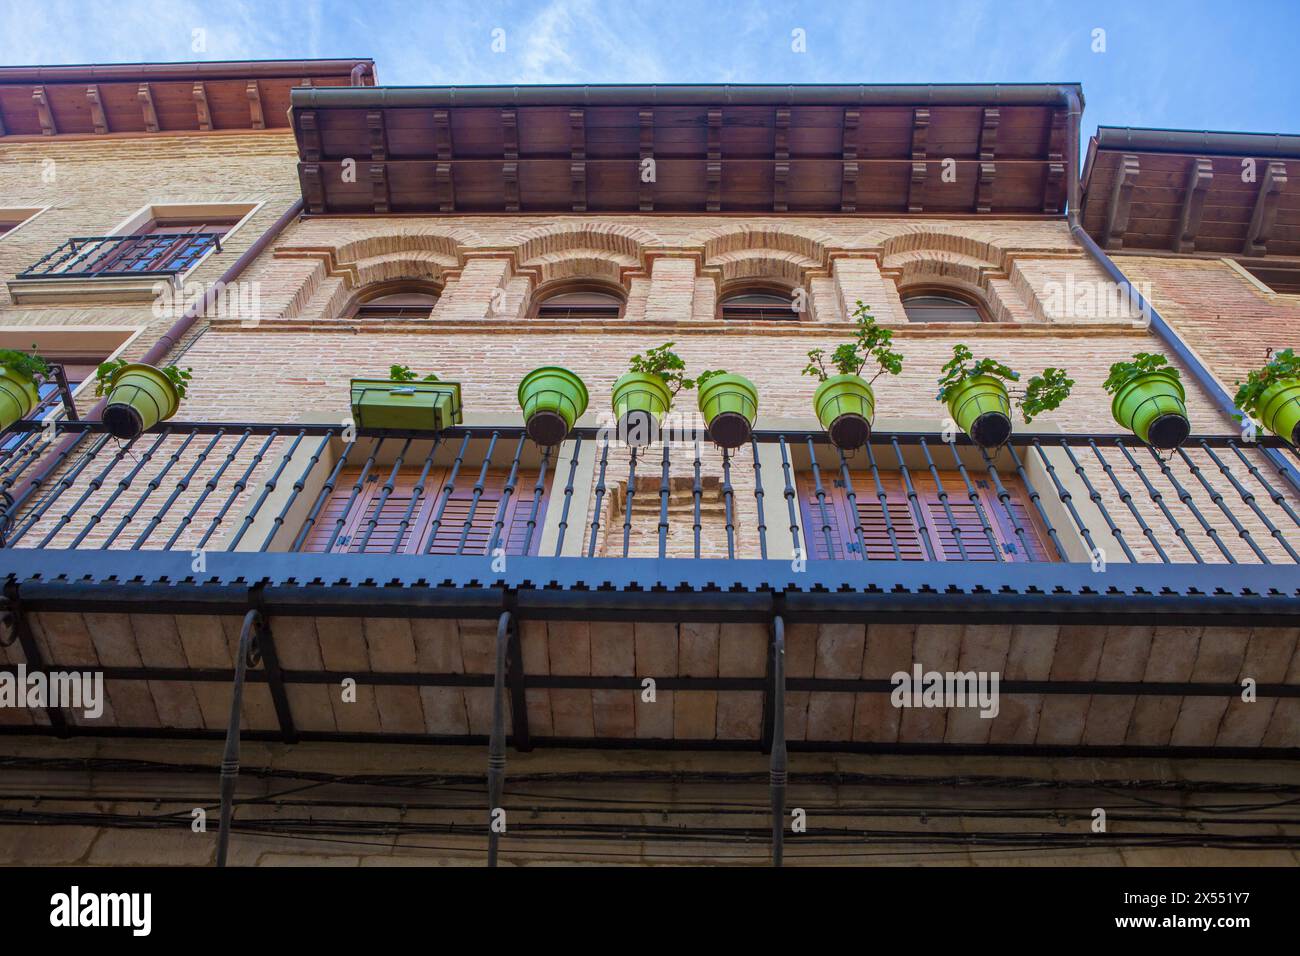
x,y
946,689
74,908
68,690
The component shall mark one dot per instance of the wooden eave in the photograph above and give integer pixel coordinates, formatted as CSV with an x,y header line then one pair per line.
x,y
1193,193
438,150
53,101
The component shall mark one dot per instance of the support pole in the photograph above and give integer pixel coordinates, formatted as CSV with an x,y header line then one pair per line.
x,y
230,760
777,771
497,743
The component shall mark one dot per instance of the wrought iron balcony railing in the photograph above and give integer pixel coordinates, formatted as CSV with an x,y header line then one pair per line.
x,y
787,495
151,255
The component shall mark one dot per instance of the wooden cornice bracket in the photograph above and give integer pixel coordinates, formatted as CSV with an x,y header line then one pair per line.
x,y
379,187
201,106
42,103
1121,199
313,187
309,136
1199,176
145,95
255,106
1054,174
920,170
1265,214
510,165
849,162
987,166
578,158
781,164
97,118
442,170
645,190
713,165
378,136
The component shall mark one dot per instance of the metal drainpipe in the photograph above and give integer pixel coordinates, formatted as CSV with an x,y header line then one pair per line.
x,y
157,352
358,72
1222,400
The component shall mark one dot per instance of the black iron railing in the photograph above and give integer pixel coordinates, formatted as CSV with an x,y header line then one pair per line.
x,y
788,495
150,255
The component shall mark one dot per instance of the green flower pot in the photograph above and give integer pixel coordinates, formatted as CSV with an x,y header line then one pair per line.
x,y
405,406
1279,408
640,401
1153,407
845,405
141,396
729,403
553,399
18,396
981,408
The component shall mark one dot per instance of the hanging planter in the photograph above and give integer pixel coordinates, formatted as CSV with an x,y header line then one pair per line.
x,y
1149,400
640,401
844,402
980,404
18,391
729,404
1271,395
401,403
846,407
552,399
642,397
139,396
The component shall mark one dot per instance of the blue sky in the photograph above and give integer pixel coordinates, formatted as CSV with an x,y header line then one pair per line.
x,y
1193,65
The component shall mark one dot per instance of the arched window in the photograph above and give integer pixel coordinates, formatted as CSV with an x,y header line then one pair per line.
x,y
578,302
402,299
758,305
940,307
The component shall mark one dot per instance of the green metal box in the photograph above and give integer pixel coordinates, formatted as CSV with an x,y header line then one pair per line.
x,y
407,406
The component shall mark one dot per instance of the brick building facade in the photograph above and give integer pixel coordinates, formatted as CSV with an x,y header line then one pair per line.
x,y
1110,570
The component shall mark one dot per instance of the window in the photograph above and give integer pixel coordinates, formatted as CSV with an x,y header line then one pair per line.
x,y
414,536
941,532
580,303
762,305
11,218
403,299
163,245
940,308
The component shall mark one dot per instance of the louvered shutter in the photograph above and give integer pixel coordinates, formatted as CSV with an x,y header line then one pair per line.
x,y
822,517
939,529
451,517
876,530
482,517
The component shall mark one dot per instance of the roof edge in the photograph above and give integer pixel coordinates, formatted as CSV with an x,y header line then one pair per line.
x,y
1150,140
686,94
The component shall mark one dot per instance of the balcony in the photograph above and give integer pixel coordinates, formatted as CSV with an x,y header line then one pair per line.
x,y
1054,523
115,268
392,560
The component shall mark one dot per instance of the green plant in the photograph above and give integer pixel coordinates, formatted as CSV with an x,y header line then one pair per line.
x,y
403,373
668,366
107,373
29,365
871,343
1121,373
1284,365
1043,393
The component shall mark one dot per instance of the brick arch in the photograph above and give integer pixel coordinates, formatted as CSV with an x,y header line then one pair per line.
x,y
937,267
939,242
762,264
581,263
770,237
334,297
446,243
622,240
